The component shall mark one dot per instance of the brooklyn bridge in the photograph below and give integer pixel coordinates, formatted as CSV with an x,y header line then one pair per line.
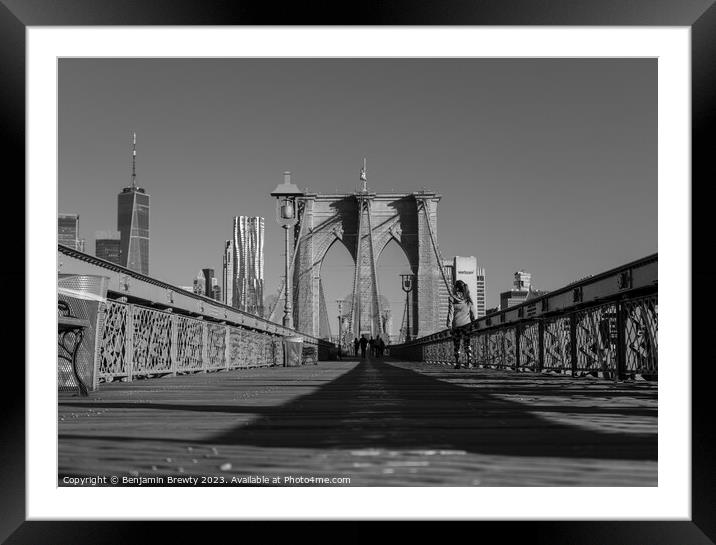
x,y
156,382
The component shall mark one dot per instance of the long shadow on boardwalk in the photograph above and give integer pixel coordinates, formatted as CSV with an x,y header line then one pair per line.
x,y
377,405
381,406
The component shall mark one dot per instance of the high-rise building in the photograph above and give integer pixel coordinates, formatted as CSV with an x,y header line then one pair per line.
x,y
465,269
107,245
228,274
522,281
249,264
480,292
444,292
215,289
133,222
68,230
199,284
209,282
521,291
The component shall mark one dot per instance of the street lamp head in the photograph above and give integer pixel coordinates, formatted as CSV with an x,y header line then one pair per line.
x,y
286,189
286,194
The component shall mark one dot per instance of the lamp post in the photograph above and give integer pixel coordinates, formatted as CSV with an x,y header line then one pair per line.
x,y
340,323
407,285
286,196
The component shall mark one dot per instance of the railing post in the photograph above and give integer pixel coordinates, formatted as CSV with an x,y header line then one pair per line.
x,y
518,338
620,365
573,342
129,342
204,345
503,351
174,349
99,334
540,346
227,347
488,354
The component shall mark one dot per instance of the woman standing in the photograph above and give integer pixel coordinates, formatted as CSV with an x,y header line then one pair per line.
x,y
461,311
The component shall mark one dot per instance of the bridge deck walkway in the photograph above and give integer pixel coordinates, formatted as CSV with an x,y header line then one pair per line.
x,y
380,423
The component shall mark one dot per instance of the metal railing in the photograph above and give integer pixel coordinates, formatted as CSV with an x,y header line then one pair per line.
x,y
147,327
139,341
605,325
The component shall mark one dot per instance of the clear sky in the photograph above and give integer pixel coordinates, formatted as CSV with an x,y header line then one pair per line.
x,y
549,165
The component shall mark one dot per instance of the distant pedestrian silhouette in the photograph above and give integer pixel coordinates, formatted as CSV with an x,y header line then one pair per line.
x,y
380,346
356,344
363,343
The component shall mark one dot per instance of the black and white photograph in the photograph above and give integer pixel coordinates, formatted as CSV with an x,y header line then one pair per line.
x,y
357,272
397,266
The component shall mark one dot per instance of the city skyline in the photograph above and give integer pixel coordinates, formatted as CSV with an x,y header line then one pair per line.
x,y
544,164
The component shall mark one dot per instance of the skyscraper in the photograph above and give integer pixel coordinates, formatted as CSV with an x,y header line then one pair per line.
x,y
480,292
465,269
521,291
444,292
227,274
133,222
68,230
199,283
108,246
249,264
215,289
523,281
210,285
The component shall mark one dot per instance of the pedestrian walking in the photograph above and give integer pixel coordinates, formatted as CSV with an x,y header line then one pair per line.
x,y
356,344
381,346
363,343
371,343
461,311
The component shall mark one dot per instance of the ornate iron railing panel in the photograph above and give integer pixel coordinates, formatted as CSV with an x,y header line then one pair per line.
x,y
190,344
151,340
641,332
529,346
238,342
216,346
557,345
596,334
112,359
479,348
495,350
509,347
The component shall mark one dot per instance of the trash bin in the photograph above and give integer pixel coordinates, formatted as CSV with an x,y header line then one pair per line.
x,y
293,350
86,299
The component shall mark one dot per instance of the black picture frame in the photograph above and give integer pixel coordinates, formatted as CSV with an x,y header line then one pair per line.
x,y
700,15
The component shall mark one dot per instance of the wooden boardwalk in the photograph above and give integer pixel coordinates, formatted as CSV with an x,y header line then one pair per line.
x,y
380,423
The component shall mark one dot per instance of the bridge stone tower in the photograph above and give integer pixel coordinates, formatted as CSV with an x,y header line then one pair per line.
x,y
365,222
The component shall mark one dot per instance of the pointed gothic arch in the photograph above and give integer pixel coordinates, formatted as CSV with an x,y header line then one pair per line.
x,y
365,223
